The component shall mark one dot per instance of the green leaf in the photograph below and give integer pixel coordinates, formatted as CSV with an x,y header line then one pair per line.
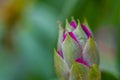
x,y
61,67
90,52
94,73
71,50
79,72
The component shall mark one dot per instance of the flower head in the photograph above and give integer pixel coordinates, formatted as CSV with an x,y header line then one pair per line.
x,y
77,52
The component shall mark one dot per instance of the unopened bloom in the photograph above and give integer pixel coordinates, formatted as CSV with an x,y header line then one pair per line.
x,y
77,55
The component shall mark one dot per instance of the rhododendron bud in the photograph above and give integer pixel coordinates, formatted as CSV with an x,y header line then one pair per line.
x,y
77,55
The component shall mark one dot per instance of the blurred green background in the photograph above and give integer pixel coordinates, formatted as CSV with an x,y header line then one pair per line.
x,y
29,31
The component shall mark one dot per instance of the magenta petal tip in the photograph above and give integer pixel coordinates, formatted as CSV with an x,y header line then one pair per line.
x,y
73,36
73,24
60,53
64,37
87,32
81,61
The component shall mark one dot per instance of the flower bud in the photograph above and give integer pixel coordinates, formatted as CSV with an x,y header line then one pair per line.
x,y
77,56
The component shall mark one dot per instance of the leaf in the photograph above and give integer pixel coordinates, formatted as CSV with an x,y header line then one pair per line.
x,y
90,52
61,67
71,50
79,72
94,73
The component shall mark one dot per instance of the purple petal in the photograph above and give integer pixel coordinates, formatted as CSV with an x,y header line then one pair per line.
x,y
85,29
73,36
81,61
64,36
73,25
60,53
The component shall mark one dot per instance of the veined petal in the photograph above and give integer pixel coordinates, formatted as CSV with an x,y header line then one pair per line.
x,y
61,67
90,52
71,50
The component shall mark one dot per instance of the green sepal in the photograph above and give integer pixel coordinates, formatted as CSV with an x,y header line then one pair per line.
x,y
87,25
68,28
94,73
80,35
79,72
61,67
71,50
60,36
90,52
